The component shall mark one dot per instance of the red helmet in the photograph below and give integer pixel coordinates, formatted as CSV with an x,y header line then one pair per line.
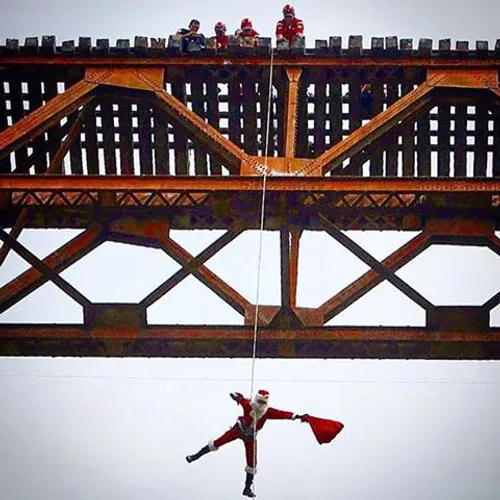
x,y
246,23
220,26
288,9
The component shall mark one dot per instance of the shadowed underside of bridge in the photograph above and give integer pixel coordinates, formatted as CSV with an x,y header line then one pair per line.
x,y
129,144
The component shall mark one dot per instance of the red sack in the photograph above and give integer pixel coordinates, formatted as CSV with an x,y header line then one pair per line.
x,y
324,430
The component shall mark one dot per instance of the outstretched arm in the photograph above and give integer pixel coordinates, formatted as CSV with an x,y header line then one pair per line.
x,y
275,414
240,399
236,396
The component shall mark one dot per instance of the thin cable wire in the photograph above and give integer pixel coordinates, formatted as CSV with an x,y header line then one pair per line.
x,y
262,219
259,265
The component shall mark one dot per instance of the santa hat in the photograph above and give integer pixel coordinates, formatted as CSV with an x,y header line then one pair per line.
x,y
324,430
262,396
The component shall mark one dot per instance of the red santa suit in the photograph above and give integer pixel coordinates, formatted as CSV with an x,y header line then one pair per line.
x,y
246,31
221,39
222,42
246,425
289,28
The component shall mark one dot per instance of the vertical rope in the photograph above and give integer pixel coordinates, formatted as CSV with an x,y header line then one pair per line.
x,y
259,265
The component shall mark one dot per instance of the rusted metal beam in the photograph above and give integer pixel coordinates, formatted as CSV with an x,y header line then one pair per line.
x,y
229,341
401,110
138,78
204,132
56,163
286,294
224,60
21,183
192,332
196,262
41,119
481,78
58,261
350,294
55,166
40,266
191,265
384,271
207,277
293,75
294,264
493,244
492,302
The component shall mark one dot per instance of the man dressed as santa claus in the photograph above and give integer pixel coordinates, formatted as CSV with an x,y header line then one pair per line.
x,y
255,415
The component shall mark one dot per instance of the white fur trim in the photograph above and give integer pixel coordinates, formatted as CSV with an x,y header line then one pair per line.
x,y
211,446
258,410
250,470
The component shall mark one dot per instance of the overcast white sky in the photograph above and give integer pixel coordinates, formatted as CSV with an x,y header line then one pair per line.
x,y
89,429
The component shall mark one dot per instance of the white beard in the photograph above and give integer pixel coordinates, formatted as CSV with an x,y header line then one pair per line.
x,y
258,411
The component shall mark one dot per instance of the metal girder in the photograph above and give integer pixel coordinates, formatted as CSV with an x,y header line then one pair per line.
x,y
41,119
205,184
205,133
57,261
228,341
384,271
494,244
401,110
40,266
295,235
207,277
151,79
350,294
233,232
223,60
54,167
293,75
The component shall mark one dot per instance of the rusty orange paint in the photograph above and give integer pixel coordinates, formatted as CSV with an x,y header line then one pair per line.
x,y
179,110
39,120
206,184
187,333
140,78
54,166
150,228
121,61
469,78
255,165
209,278
371,278
402,109
58,260
293,75
56,163
460,227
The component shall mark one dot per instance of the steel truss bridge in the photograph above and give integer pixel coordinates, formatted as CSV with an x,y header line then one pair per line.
x,y
128,143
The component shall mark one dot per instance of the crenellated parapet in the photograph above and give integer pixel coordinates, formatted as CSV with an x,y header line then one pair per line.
x,y
334,46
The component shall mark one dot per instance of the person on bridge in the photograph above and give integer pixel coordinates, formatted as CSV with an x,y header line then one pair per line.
x,y
289,28
191,35
255,414
246,34
221,39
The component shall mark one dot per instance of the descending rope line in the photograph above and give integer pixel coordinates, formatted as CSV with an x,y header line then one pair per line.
x,y
259,264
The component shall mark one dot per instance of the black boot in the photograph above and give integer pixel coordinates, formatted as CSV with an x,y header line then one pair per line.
x,y
196,456
248,486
